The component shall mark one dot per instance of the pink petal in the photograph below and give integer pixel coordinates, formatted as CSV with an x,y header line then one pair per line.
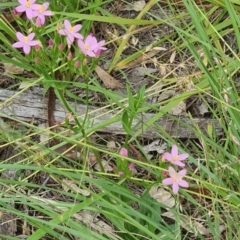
x,y
67,24
22,2
70,39
62,32
171,170
29,13
35,14
45,5
178,163
48,13
78,35
175,188
182,173
26,49
81,44
101,43
20,36
32,1
94,41
167,181
78,27
34,43
88,40
174,151
91,54
94,46
38,22
182,156
31,37
168,156
21,8
183,183
18,45
36,7
42,18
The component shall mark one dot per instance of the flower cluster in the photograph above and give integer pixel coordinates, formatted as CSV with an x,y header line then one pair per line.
x,y
88,46
176,178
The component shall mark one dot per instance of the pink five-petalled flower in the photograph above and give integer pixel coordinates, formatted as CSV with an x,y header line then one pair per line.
x,y
90,46
176,179
71,32
40,11
174,157
27,6
25,42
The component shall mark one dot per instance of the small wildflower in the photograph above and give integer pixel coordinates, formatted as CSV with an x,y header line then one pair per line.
x,y
131,166
121,174
69,56
25,42
176,179
174,157
50,43
61,47
123,152
37,47
164,173
27,6
77,64
90,46
71,32
41,11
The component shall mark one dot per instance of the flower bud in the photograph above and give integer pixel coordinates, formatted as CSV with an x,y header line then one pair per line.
x,y
123,152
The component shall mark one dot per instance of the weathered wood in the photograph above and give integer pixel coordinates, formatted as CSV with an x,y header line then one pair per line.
x,y
29,104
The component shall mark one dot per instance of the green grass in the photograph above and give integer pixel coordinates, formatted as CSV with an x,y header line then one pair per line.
x,y
121,208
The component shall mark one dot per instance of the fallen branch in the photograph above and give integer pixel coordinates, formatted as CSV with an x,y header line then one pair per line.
x,y
30,104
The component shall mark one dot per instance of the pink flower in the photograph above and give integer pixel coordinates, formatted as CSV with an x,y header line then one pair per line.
x,y
70,32
50,43
25,42
164,173
176,179
174,157
90,46
131,166
27,6
40,11
123,152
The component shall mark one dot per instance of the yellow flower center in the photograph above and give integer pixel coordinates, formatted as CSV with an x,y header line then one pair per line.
x,y
41,9
177,179
25,39
28,3
72,29
87,46
175,158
